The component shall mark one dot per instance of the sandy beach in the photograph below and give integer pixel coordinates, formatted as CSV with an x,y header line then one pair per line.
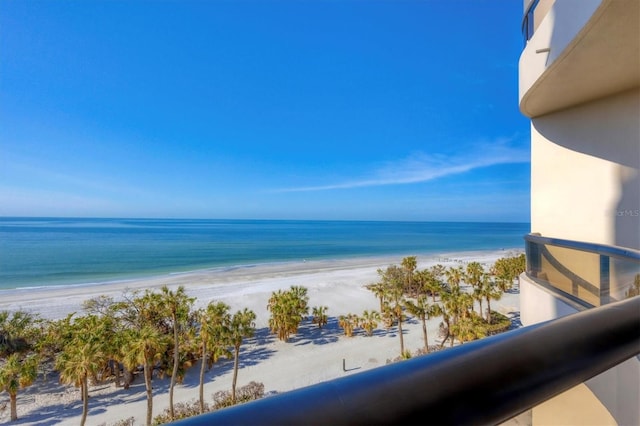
x,y
311,356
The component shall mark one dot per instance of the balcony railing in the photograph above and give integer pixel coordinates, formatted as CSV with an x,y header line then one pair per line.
x,y
483,382
589,274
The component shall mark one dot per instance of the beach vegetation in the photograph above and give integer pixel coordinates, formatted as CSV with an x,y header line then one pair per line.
x,y
157,332
348,323
17,372
422,309
488,290
369,321
242,326
214,339
176,305
84,354
387,316
182,410
456,303
473,277
19,362
288,308
409,265
469,328
437,271
249,392
393,279
506,269
129,421
106,308
319,314
428,284
145,346
18,332
499,324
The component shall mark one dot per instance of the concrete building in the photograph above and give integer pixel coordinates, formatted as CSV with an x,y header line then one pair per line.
x,y
580,85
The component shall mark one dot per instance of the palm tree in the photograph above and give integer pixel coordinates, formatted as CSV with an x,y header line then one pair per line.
x,y
409,265
177,305
320,315
507,269
437,271
84,355
214,339
423,310
17,373
19,336
369,321
489,291
454,276
242,325
288,309
17,332
106,308
466,330
348,323
473,277
397,308
392,279
76,364
456,305
429,283
143,347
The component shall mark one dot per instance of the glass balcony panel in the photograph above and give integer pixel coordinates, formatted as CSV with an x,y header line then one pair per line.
x,y
591,274
574,272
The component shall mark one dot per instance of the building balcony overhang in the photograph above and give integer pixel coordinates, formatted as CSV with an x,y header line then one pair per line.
x,y
559,70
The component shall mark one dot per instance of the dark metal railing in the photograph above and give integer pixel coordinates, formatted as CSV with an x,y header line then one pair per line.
x,y
589,274
483,382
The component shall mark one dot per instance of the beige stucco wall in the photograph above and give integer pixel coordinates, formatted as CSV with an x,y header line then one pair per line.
x,y
543,8
589,410
585,172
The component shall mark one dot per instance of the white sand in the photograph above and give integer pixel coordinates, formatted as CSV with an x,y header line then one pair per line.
x,y
312,356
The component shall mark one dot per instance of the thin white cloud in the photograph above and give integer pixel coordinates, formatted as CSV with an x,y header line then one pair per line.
x,y
422,167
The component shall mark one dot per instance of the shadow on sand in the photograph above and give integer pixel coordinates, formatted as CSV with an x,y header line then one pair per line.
x,y
55,413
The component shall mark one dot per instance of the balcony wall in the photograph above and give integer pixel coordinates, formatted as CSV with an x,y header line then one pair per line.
x,y
585,172
554,30
582,50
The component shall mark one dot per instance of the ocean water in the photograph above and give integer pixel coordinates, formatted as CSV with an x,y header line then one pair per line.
x,y
36,252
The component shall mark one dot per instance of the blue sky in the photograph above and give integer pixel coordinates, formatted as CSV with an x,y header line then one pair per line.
x,y
333,109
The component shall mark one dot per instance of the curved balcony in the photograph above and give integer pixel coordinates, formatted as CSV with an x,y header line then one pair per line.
x,y
588,274
578,51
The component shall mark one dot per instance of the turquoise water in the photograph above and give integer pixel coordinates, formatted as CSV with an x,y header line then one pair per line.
x,y
55,251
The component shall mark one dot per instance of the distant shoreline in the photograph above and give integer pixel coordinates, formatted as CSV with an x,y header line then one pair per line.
x,y
50,252
223,279
286,264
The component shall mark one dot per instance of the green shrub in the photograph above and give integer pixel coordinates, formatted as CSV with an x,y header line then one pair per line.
x,y
182,410
499,324
124,422
250,392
